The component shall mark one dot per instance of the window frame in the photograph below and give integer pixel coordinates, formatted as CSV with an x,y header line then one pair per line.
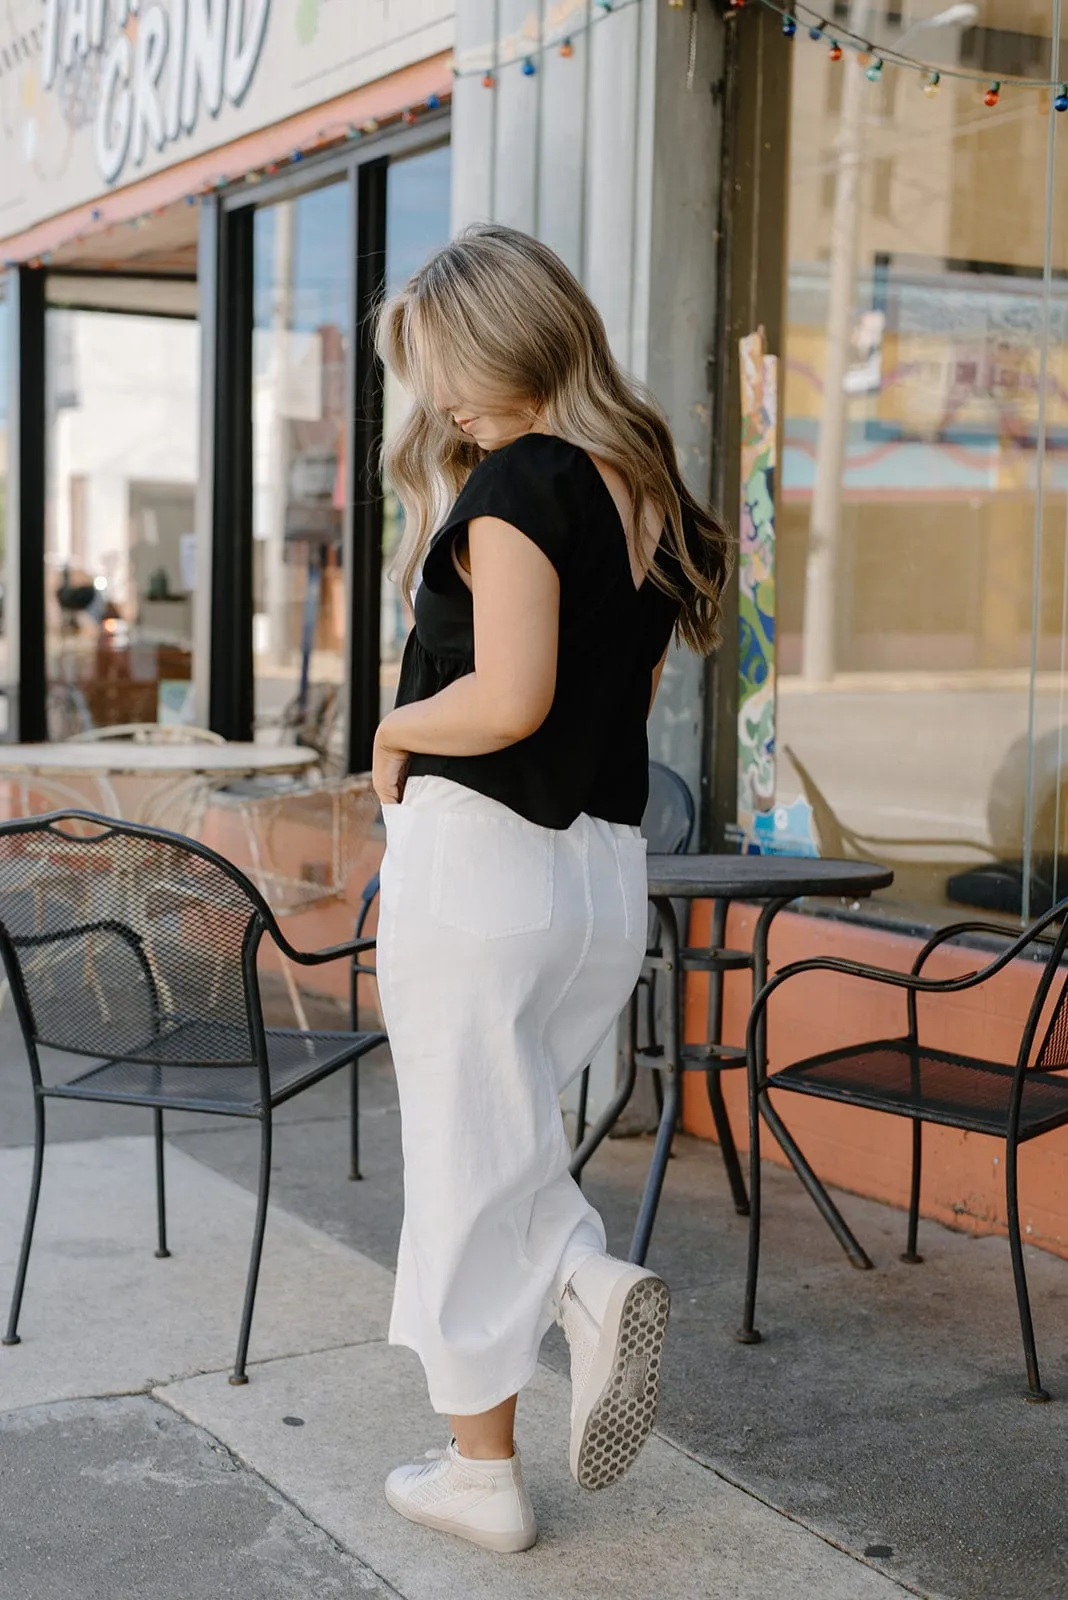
x,y
224,661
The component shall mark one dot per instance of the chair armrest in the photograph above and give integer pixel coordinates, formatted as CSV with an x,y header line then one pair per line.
x,y
956,931
910,981
316,958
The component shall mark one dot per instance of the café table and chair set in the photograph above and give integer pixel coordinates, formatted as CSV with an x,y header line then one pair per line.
x,y
154,996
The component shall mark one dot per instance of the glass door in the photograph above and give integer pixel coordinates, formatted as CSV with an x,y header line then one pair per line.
x,y
300,349
417,224
122,404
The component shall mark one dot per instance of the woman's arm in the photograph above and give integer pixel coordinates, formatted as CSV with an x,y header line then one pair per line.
x,y
516,594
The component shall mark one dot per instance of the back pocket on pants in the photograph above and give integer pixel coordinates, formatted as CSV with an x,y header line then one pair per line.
x,y
493,874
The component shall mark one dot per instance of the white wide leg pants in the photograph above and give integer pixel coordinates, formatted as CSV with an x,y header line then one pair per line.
x,y
505,953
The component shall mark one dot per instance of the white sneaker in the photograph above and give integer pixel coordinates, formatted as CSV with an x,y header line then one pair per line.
x,y
615,1317
485,1502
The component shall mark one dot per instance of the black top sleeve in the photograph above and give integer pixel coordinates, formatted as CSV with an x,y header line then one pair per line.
x,y
529,484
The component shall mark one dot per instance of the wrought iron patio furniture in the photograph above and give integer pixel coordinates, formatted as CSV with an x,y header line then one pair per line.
x,y
148,733
153,999
773,881
359,969
667,823
179,804
904,1077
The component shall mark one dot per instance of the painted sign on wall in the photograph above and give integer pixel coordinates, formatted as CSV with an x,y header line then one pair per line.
x,y
151,71
756,584
95,94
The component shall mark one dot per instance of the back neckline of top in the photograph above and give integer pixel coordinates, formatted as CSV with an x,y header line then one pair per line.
x,y
635,589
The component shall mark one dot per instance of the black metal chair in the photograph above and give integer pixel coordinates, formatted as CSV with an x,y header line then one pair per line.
x,y
359,969
153,977
668,824
903,1076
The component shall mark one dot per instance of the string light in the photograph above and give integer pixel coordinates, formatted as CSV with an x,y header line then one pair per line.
x,y
794,14
835,51
516,50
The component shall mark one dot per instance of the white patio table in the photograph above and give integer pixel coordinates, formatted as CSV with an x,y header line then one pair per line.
x,y
150,783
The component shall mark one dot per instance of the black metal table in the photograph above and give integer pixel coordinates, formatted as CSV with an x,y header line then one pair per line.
x,y
775,881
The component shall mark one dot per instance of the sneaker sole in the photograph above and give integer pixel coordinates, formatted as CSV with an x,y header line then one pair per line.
x,y
504,1544
624,1382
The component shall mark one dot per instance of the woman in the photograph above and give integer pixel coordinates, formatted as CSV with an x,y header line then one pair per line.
x,y
513,775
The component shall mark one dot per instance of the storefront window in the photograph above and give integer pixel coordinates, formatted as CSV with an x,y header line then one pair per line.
x,y
122,408
300,351
5,400
417,223
921,521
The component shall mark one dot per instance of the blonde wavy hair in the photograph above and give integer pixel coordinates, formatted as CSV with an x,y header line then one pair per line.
x,y
498,309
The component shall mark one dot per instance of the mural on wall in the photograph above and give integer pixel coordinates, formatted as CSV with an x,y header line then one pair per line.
x,y
756,584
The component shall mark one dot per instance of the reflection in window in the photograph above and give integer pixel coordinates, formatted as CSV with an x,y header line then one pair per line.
x,y
5,392
300,352
122,406
417,224
911,507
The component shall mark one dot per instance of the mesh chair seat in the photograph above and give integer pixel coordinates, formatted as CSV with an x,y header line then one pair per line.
x,y
205,1067
933,1085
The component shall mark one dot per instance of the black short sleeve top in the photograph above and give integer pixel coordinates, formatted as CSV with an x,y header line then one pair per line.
x,y
590,754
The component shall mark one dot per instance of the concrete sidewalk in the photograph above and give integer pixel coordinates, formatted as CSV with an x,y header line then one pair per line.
x,y
133,1471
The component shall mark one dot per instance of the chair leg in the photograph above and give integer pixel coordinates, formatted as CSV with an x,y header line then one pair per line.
x,y
354,1122
725,1135
665,1135
12,1334
1035,1390
161,1194
914,1194
747,1333
239,1375
583,1102
670,1079
616,1106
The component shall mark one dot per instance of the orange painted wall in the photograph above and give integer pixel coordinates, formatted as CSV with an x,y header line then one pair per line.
x,y
867,1152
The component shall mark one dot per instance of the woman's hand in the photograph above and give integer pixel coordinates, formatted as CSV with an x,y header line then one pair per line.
x,y
389,767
